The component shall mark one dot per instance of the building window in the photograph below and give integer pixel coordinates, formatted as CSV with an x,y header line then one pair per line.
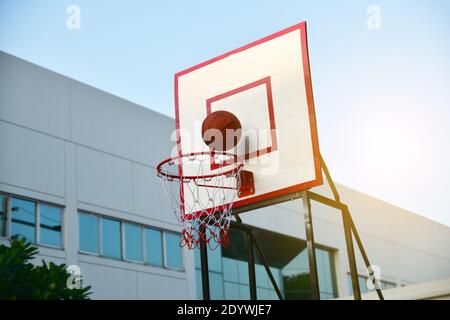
x,y
288,262
35,221
362,284
111,240
216,274
88,233
216,286
174,257
3,215
153,247
50,225
325,270
133,242
23,219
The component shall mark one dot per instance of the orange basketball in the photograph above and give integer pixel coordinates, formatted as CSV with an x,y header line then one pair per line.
x,y
221,130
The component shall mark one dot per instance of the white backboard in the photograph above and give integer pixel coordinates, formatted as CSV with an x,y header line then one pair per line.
x,y
267,85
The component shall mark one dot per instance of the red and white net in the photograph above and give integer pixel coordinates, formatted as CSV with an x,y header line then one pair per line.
x,y
201,188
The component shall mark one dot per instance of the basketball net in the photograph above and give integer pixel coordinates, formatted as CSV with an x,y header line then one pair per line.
x,y
202,198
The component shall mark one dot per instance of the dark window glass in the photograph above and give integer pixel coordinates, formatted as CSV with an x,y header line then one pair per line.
x,y
88,234
197,258
198,283
243,272
230,270
23,219
215,259
3,215
273,295
262,278
231,291
325,272
50,225
296,279
288,262
278,278
153,247
174,257
216,286
244,292
133,242
263,294
111,242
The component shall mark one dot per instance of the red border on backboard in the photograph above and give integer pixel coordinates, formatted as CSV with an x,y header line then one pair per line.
x,y
273,134
309,95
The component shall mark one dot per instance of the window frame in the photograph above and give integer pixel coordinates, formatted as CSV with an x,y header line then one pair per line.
x,y
38,220
37,226
166,266
161,236
332,256
99,230
100,236
35,218
124,242
123,258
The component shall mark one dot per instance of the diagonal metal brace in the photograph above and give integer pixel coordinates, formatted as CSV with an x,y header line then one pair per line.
x,y
260,254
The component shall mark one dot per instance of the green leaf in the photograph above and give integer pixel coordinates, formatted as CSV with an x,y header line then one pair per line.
x,y
20,279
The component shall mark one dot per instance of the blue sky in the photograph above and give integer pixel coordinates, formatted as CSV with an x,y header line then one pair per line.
x,y
382,96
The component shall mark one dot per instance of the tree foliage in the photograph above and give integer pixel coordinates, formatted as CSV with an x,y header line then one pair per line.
x,y
20,279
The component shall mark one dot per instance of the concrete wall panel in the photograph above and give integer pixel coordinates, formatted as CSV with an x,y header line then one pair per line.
x,y
33,97
31,160
104,180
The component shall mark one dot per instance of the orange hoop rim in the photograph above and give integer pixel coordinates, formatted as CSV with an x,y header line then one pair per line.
x,y
237,161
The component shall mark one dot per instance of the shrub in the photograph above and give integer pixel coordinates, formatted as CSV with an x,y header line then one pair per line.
x,y
20,279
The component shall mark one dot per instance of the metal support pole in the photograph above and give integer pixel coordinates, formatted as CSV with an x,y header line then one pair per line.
x,y
351,254
262,258
204,266
251,267
365,258
330,180
311,247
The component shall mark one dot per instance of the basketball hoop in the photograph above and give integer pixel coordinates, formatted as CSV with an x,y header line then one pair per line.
x,y
202,197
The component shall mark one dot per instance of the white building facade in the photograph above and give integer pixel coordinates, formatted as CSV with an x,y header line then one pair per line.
x,y
77,178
